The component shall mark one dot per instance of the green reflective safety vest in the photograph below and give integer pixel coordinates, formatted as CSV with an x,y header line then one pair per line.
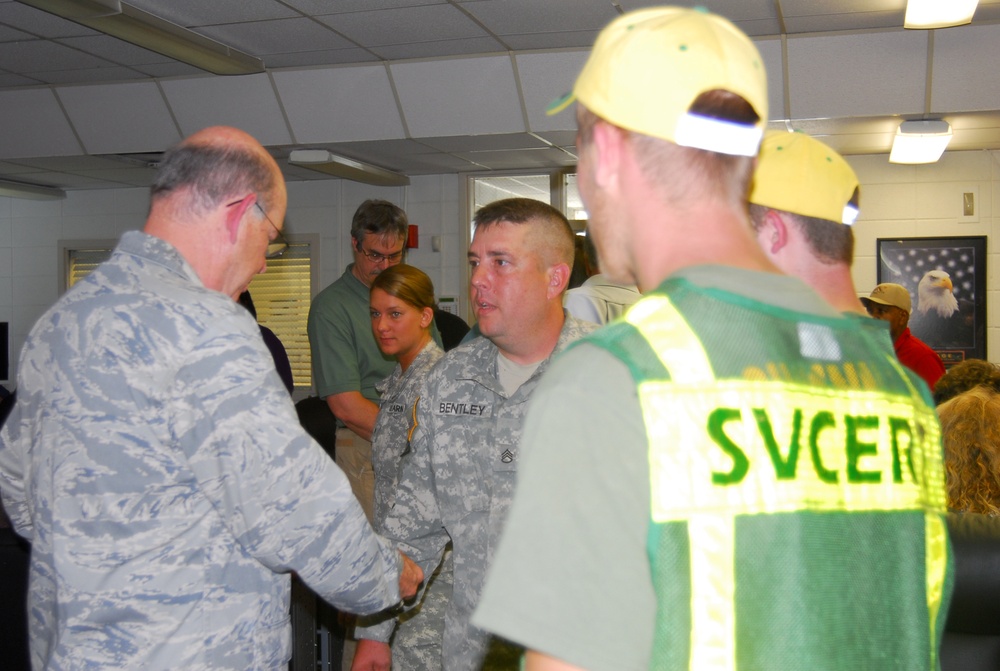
x,y
797,488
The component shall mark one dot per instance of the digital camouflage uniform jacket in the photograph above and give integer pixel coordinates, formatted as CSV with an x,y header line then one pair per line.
x,y
457,483
416,643
156,463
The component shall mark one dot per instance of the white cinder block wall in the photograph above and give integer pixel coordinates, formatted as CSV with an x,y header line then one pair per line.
x,y
30,231
896,201
924,201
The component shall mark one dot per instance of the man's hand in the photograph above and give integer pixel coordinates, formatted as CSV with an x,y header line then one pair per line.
x,y
372,655
409,579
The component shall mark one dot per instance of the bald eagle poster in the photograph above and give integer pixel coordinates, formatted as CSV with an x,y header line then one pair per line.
x,y
946,278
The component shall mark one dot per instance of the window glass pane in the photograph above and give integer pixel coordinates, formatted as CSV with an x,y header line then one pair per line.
x,y
281,297
489,189
574,208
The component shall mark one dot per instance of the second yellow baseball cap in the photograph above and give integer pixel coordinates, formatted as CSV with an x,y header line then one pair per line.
x,y
647,67
799,174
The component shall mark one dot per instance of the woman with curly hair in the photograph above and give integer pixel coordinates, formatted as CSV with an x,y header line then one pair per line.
x,y
970,429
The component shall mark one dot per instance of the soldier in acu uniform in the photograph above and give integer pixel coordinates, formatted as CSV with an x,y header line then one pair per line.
x,y
457,480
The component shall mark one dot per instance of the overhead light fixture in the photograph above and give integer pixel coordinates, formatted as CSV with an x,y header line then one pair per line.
x,y
927,14
30,191
327,162
149,31
920,141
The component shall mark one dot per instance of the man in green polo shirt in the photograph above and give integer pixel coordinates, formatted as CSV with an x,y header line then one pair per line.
x,y
346,360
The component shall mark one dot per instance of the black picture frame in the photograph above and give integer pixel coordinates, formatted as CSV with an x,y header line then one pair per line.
x,y
956,332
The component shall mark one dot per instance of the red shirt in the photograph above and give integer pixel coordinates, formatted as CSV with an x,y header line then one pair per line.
x,y
916,355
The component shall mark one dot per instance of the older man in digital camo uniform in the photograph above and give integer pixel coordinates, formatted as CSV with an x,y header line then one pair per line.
x,y
457,481
154,458
693,495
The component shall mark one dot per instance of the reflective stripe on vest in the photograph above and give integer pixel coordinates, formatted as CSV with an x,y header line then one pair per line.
x,y
723,448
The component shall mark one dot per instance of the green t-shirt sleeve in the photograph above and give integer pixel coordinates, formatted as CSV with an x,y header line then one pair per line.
x,y
571,577
334,351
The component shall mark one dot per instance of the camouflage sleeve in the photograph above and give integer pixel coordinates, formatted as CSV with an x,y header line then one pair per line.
x,y
414,522
12,475
283,499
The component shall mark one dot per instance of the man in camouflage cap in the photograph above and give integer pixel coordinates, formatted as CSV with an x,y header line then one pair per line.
x,y
457,479
154,458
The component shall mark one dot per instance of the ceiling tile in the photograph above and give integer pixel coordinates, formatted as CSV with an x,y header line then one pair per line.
x,y
739,11
247,102
71,181
388,148
518,17
560,138
470,96
834,76
34,125
70,163
279,36
834,22
8,34
12,168
955,86
798,8
475,45
770,52
201,13
544,78
41,56
119,118
429,164
12,81
344,6
114,50
171,69
466,143
107,74
37,22
404,25
349,103
323,57
124,176
761,28
561,40
517,160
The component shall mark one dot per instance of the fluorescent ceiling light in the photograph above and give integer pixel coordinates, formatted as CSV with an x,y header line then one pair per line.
x,y
321,160
920,141
30,191
926,14
149,31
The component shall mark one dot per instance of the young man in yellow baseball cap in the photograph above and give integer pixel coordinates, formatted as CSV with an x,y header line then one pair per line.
x,y
734,476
